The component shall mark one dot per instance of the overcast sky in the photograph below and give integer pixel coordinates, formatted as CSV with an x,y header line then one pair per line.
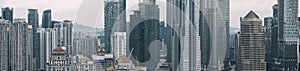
x,y
90,12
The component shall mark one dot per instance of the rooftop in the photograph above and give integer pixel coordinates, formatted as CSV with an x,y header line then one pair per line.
x,y
124,59
59,49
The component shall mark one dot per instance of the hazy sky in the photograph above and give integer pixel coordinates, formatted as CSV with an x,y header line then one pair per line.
x,y
90,12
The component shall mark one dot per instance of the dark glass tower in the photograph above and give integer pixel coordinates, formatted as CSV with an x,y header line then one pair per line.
x,y
115,15
7,13
33,19
46,22
288,34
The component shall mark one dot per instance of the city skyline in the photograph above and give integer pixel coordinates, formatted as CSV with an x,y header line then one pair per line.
x,y
150,35
63,10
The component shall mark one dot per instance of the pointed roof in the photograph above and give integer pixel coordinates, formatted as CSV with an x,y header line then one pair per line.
x,y
59,49
251,14
123,59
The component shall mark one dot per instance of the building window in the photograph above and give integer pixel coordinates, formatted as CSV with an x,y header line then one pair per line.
x,y
58,58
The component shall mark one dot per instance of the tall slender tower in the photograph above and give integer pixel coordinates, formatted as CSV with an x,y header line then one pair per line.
x,y
183,17
288,34
214,20
67,37
33,19
251,44
46,21
115,19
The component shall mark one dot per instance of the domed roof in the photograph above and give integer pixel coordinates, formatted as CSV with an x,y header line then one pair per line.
x,y
123,59
59,49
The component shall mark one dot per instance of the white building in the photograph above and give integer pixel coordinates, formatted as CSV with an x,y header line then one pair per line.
x,y
118,43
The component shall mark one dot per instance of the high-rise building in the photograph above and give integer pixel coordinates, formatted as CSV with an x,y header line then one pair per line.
x,y
4,46
68,41
144,31
288,34
183,17
19,45
47,42
268,22
8,13
67,36
33,19
118,43
214,27
114,20
224,6
251,44
47,18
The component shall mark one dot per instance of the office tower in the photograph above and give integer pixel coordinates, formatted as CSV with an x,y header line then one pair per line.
x,y
47,18
59,60
114,20
8,13
274,32
214,27
33,19
224,6
268,39
251,44
183,17
172,40
230,56
144,35
19,45
118,43
288,35
4,46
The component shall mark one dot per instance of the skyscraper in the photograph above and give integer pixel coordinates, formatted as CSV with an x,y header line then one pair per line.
x,y
224,6
214,32
33,19
47,42
268,22
144,31
4,46
47,18
288,35
183,17
251,44
8,13
19,45
68,40
114,20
